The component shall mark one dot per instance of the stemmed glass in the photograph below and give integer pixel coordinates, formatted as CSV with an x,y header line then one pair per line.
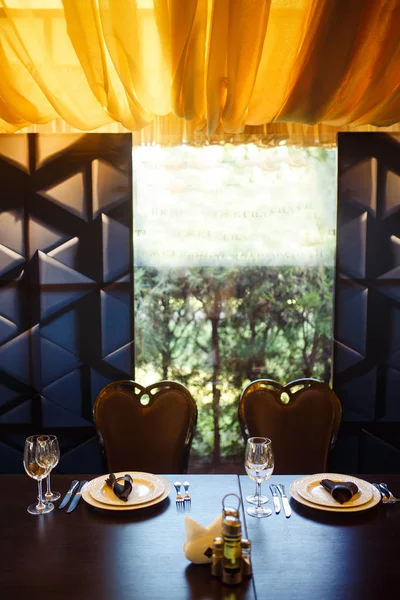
x,y
36,453
53,458
259,465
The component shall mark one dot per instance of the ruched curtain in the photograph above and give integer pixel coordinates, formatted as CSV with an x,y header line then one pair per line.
x,y
201,69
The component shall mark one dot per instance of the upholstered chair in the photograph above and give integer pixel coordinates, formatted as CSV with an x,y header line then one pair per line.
x,y
301,418
146,429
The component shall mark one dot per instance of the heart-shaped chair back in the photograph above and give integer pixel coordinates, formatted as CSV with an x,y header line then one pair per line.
x,y
302,420
146,429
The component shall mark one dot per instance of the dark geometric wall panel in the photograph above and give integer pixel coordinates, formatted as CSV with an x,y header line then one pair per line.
x,y
366,370
65,288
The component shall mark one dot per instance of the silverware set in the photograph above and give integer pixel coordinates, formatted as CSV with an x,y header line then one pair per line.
x,y
386,494
73,495
182,502
278,494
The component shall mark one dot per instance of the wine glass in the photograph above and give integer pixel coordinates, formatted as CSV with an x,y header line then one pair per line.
x,y
259,465
53,458
36,451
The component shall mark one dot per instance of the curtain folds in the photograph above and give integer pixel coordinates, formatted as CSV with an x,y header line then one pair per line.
x,y
195,70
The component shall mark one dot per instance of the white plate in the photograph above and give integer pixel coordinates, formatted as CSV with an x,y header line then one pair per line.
x,y
311,489
145,488
86,495
376,497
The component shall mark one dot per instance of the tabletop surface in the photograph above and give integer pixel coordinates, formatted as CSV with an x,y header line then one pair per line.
x,y
138,554
319,554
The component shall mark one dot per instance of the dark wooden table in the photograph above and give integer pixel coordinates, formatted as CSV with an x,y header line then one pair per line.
x,y
317,554
95,554
139,554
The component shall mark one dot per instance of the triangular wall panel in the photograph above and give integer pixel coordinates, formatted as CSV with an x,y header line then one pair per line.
x,y
20,358
8,329
66,392
14,150
110,187
51,146
358,184
67,253
9,259
70,195
63,330
56,361
366,369
60,285
122,359
65,236
353,247
12,230
116,248
43,236
392,194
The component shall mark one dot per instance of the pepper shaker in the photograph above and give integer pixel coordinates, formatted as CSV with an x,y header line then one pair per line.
x,y
246,558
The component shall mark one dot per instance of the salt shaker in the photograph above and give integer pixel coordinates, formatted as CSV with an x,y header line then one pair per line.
x,y
217,557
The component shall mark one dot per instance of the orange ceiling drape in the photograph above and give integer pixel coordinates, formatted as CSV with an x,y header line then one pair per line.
x,y
201,69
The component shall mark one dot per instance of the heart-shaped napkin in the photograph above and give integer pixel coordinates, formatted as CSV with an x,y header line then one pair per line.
x,y
121,490
341,491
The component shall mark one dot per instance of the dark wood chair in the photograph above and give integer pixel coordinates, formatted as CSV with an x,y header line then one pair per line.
x,y
146,429
301,418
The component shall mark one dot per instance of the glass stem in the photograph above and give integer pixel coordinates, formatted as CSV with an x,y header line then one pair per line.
x,y
258,494
48,490
40,505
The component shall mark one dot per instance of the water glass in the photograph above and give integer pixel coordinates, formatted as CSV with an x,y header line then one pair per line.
x,y
259,465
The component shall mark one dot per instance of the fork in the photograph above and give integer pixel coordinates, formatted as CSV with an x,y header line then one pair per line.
x,y
187,497
179,500
384,499
385,496
390,498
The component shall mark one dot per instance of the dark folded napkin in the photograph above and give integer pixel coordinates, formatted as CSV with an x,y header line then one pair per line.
x,y
121,490
342,491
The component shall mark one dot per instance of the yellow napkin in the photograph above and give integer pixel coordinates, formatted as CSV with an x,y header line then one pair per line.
x,y
199,539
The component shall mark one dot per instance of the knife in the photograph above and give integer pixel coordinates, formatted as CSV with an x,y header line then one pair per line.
x,y
285,501
68,495
275,498
77,497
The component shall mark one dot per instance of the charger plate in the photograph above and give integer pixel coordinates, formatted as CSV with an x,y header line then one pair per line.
x,y
311,489
121,505
338,508
145,488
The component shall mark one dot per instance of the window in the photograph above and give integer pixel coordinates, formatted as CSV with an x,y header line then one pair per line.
x,y
233,273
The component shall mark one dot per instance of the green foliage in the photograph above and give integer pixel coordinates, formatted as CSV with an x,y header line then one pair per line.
x,y
270,322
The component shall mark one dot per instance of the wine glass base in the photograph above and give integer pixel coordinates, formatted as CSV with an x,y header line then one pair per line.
x,y
34,510
259,513
252,499
52,498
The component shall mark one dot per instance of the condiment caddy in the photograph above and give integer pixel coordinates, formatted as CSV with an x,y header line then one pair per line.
x,y
231,554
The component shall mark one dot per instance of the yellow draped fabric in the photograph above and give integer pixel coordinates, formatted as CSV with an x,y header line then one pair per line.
x,y
197,69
